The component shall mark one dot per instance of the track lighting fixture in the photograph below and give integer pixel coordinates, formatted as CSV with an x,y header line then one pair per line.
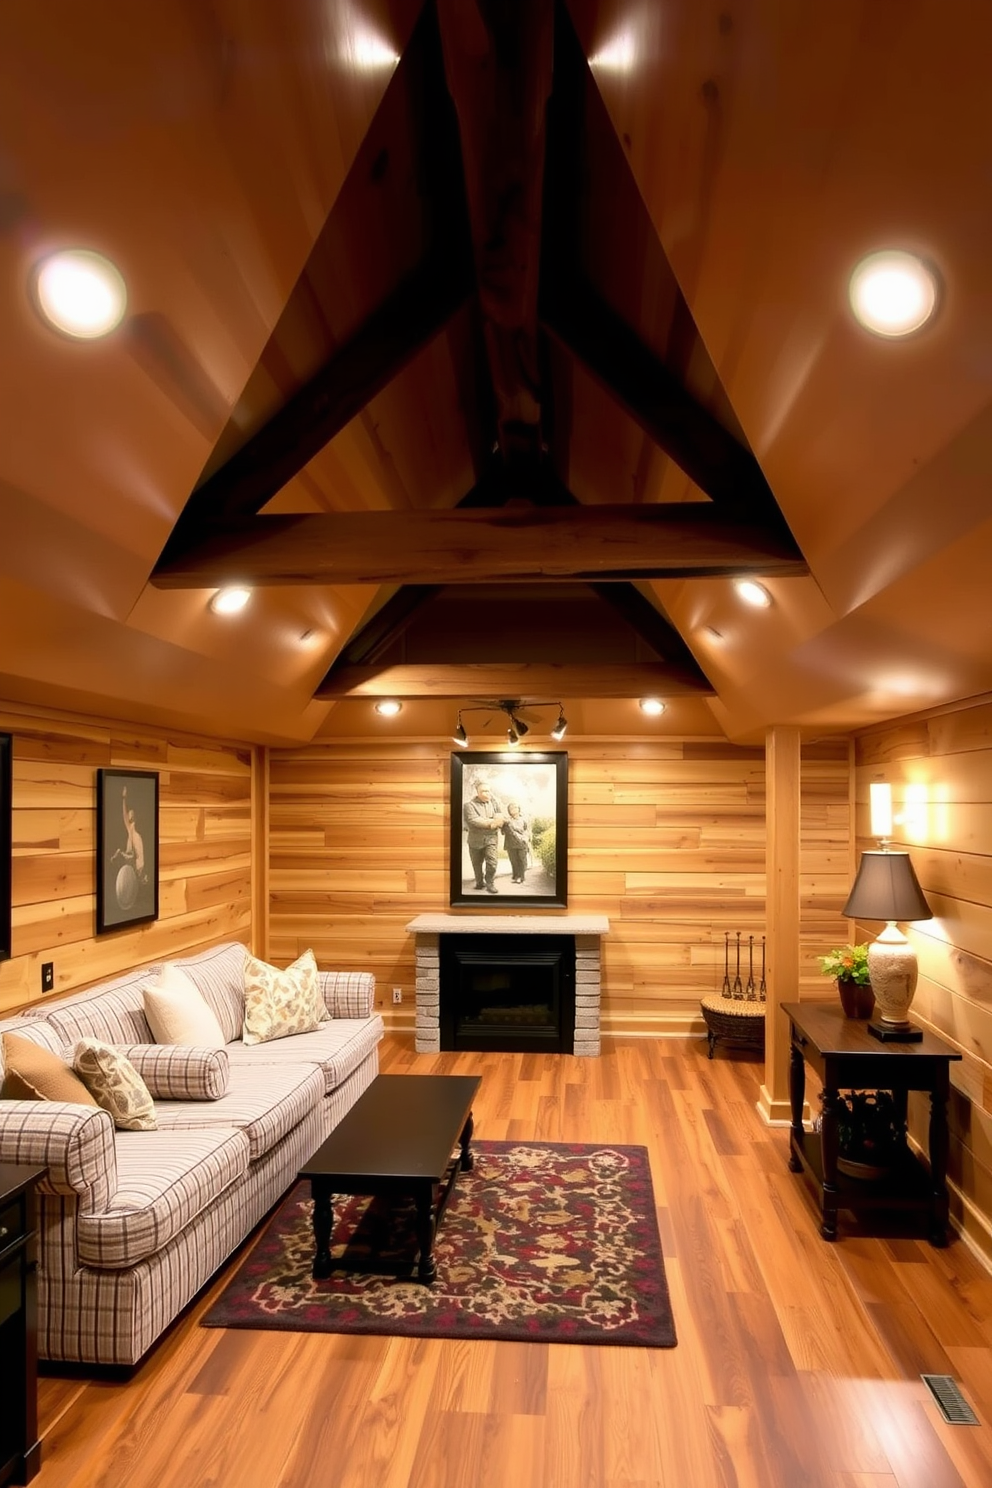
x,y
517,729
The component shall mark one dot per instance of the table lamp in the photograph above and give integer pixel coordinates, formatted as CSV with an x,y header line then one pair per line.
x,y
886,888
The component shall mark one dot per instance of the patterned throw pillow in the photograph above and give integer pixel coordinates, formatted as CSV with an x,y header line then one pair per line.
x,y
115,1083
178,1012
34,1073
278,1003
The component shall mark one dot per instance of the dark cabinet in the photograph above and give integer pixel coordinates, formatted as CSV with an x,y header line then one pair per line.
x,y
20,1449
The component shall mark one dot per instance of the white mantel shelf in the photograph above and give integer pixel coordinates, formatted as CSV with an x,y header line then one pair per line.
x,y
445,924
586,929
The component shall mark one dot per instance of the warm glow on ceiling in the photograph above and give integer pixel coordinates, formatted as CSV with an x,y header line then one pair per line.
x,y
753,593
80,293
230,601
892,293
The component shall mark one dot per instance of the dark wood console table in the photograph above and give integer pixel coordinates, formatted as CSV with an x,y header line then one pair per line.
x,y
20,1449
846,1057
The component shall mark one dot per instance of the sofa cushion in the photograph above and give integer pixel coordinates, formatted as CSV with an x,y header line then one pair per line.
x,y
178,1012
280,1003
114,1014
115,1083
164,1180
32,1072
177,1072
219,975
265,1101
338,1048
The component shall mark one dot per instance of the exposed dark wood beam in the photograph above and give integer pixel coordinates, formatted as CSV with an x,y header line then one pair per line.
x,y
498,62
511,679
650,624
581,320
386,342
478,545
386,625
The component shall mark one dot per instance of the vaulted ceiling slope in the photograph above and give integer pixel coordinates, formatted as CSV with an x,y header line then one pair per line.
x,y
488,339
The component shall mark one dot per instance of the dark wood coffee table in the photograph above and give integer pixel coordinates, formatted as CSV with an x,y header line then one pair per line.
x,y
397,1140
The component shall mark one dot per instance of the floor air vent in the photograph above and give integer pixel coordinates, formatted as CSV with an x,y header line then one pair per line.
x,y
953,1406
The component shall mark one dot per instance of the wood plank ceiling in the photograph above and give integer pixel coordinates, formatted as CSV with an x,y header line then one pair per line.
x,y
455,327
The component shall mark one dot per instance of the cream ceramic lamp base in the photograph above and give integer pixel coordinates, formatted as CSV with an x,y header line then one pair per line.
x,y
892,968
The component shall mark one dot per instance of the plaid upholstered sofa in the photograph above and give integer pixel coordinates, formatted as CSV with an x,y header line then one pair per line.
x,y
133,1223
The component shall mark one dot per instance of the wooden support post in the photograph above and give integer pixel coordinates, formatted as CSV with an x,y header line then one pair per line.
x,y
782,830
259,939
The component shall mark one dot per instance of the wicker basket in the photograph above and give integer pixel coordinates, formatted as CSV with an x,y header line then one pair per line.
x,y
739,1021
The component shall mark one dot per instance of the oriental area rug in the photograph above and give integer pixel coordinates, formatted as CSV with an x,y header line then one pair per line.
x,y
541,1242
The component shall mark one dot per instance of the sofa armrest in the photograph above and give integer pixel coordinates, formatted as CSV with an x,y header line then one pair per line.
x,y
75,1143
348,994
180,1071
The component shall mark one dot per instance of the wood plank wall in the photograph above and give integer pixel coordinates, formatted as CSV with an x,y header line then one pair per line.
x,y
666,837
205,840
940,770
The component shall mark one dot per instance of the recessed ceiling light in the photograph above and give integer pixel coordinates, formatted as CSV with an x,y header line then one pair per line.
x,y
753,593
892,293
389,707
652,706
80,293
230,601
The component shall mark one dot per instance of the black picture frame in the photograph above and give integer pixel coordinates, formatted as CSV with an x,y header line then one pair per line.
x,y
6,842
126,852
538,782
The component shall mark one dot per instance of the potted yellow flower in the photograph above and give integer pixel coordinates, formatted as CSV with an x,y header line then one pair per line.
x,y
848,965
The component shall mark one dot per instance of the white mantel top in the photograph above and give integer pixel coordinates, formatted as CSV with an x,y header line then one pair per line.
x,y
445,924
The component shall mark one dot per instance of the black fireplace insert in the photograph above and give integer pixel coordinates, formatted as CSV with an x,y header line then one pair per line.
x,y
508,992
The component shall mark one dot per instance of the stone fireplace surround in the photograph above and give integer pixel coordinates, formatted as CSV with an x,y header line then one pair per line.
x,y
587,930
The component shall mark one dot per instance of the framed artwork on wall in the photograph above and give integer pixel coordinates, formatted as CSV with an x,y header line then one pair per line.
x,y
126,848
6,840
509,830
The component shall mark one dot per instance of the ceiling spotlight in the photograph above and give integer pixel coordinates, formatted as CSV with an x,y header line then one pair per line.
x,y
389,707
558,732
521,727
512,737
892,293
80,293
652,706
753,593
230,601
460,736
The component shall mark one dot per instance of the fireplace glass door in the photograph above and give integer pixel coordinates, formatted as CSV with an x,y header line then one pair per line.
x,y
509,992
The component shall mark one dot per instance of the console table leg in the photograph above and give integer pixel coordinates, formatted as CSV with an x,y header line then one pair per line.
x,y
938,1157
323,1220
829,1144
797,1097
426,1229
468,1156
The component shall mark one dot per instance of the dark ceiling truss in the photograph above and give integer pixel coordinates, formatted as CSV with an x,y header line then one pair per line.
x,y
506,216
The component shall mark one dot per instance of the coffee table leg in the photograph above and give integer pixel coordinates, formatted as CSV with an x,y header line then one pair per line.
x,y
468,1157
323,1220
426,1229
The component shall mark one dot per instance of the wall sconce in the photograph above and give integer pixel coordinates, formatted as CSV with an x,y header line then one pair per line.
x,y
880,807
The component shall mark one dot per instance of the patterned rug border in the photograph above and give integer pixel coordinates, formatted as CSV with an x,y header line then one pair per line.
x,y
626,1301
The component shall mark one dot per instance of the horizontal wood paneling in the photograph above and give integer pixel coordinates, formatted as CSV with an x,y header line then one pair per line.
x,y
205,843
940,770
667,840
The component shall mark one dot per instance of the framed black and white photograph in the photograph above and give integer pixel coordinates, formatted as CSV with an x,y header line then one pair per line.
x,y
6,841
126,848
509,830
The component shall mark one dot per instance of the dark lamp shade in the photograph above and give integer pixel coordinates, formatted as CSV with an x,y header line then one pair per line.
x,y
886,888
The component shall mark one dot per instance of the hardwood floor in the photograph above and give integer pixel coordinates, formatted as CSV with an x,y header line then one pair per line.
x,y
797,1365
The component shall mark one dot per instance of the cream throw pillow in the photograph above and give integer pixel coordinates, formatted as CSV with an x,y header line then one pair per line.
x,y
34,1073
115,1084
278,1003
178,1012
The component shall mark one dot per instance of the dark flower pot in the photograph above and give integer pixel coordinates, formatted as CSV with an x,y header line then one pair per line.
x,y
857,1001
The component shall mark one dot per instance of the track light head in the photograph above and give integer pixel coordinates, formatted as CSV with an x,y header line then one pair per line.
x,y
512,737
460,737
521,727
558,732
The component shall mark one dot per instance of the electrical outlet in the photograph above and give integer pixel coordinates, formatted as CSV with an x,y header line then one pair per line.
x,y
397,994
47,976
